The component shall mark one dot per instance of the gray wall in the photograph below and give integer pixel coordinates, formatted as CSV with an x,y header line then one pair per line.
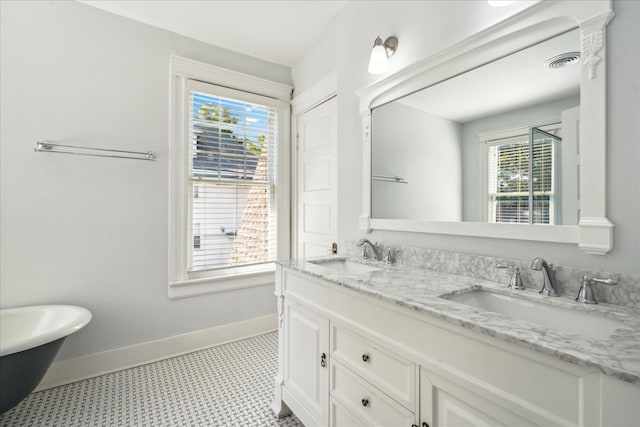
x,y
423,149
423,29
94,231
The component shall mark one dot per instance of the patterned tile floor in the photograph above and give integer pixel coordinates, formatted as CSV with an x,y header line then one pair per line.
x,y
226,385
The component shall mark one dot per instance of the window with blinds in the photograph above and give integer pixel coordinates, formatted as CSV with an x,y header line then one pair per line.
x,y
232,180
521,179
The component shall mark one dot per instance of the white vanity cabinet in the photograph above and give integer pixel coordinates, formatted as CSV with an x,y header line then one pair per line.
x,y
389,365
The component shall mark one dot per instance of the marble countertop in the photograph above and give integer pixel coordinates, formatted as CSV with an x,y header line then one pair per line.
x,y
421,290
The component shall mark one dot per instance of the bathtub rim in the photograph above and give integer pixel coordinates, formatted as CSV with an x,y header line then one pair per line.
x,y
78,317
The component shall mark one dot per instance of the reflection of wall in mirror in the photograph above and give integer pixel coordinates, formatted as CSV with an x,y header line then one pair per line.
x,y
570,172
426,154
474,182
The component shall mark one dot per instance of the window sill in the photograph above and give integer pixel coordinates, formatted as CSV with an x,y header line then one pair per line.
x,y
221,283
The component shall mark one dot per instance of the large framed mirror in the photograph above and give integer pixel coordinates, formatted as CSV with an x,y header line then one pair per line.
x,y
500,136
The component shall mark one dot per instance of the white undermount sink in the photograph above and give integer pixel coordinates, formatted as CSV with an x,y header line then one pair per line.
x,y
345,266
574,321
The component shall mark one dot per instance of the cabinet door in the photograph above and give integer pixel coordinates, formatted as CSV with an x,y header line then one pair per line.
x,y
307,360
444,404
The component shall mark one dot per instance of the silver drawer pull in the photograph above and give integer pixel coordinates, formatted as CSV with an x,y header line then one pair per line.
x,y
365,402
365,357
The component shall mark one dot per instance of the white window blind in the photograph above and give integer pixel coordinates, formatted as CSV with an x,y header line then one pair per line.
x,y
521,180
232,179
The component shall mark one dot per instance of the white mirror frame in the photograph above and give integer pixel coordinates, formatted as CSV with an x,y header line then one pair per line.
x,y
594,232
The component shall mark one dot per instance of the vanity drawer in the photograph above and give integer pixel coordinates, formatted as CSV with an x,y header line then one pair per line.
x,y
341,417
387,371
364,401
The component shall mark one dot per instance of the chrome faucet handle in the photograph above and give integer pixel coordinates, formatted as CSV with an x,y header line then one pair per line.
x,y
389,255
515,282
585,294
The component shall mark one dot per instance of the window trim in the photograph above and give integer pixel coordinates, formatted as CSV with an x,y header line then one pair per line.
x,y
181,70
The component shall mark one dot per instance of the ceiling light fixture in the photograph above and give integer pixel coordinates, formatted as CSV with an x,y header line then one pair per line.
x,y
380,54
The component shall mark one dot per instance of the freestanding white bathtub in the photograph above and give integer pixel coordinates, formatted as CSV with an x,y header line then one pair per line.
x,y
30,338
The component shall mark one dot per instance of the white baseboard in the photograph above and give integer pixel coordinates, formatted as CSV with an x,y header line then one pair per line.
x,y
79,368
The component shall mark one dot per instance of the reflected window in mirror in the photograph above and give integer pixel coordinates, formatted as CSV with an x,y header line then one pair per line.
x,y
523,179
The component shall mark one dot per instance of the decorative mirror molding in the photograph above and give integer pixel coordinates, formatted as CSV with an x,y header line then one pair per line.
x,y
594,232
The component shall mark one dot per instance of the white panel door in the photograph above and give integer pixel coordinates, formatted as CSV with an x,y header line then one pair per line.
x,y
317,180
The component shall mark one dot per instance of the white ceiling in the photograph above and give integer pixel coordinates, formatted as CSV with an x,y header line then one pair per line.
x,y
515,81
275,31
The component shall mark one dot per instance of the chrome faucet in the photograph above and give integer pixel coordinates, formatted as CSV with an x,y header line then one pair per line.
x,y
549,286
364,251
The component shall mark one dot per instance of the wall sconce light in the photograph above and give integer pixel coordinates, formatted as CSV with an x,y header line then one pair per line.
x,y
380,54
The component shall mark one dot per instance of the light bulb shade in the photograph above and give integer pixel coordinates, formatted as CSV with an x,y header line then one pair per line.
x,y
378,63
